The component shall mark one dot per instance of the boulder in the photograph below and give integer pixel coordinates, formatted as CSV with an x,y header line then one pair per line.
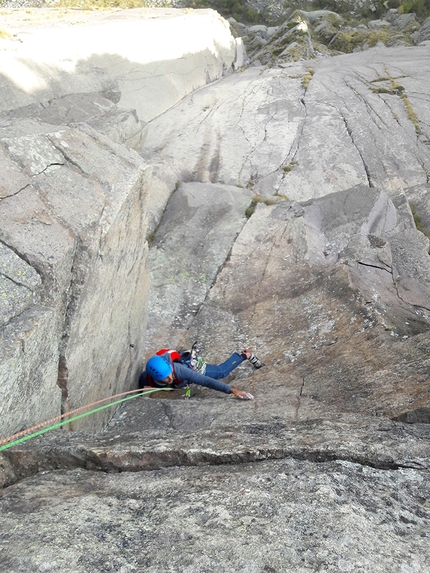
x,y
325,30
403,21
378,24
320,33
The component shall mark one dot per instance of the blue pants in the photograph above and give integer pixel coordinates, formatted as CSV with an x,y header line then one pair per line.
x,y
224,369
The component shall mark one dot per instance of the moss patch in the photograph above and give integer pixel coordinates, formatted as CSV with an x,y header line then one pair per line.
x,y
287,168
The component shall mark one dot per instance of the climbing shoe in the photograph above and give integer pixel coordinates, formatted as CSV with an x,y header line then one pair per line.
x,y
256,362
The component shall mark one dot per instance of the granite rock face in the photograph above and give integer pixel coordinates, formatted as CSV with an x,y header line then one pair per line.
x,y
192,242
308,129
285,210
303,507
75,196
72,226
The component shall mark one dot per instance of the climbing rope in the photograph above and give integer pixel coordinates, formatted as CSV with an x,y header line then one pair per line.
x,y
25,435
62,416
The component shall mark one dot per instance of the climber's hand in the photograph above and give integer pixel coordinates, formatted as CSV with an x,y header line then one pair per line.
x,y
241,395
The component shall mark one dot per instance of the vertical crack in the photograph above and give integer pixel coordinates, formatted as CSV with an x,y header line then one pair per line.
x,y
366,169
296,415
77,280
62,382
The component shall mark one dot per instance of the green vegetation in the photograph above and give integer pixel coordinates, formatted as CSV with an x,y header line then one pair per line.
x,y
250,210
420,7
411,113
334,19
287,168
150,238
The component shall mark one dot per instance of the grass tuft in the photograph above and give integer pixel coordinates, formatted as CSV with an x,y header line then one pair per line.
x,y
266,200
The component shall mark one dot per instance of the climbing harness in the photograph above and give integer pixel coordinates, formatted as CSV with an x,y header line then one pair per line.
x,y
24,435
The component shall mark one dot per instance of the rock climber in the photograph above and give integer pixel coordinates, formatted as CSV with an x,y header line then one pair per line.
x,y
167,370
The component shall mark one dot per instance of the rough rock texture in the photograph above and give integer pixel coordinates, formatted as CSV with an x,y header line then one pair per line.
x,y
275,516
327,279
342,351
306,34
345,496
424,33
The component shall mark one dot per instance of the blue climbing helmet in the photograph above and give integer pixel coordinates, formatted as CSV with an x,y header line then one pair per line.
x,y
158,367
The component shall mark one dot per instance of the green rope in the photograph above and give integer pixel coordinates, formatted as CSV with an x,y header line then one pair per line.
x,y
64,422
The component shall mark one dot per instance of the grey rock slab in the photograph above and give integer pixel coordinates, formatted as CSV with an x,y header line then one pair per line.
x,y
325,30
149,434
31,229
13,178
403,21
19,284
165,177
264,129
29,369
34,152
319,15
412,267
341,323
423,34
392,244
351,118
288,515
191,243
378,24
122,126
235,131
420,204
